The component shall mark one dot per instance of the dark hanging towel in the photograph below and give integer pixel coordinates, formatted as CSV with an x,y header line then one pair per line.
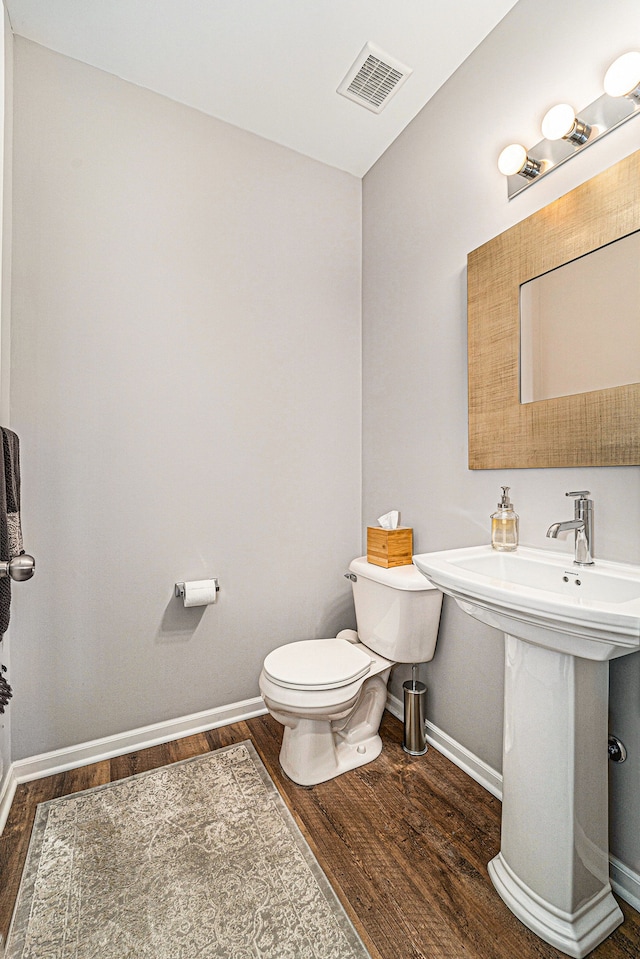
x,y
10,527
5,582
10,534
5,690
11,450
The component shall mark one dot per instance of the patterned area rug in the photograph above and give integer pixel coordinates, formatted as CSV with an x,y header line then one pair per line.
x,y
197,860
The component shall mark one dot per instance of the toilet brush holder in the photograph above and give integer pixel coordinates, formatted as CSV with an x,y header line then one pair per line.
x,y
415,731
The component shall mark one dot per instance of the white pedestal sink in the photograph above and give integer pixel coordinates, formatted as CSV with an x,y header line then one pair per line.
x,y
562,625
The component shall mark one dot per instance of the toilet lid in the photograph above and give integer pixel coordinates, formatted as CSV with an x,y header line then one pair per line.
x,y
317,664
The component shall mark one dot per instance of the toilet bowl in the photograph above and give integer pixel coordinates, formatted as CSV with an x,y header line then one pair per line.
x,y
330,694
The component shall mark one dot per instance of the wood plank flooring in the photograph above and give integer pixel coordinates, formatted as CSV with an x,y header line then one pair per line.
x,y
404,841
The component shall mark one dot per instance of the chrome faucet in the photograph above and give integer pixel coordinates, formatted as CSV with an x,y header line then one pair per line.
x,y
583,526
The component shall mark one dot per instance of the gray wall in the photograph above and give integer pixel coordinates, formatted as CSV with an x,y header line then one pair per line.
x,y
186,342
435,195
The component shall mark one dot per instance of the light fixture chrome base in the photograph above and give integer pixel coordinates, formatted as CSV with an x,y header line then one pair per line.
x,y
603,115
580,133
531,169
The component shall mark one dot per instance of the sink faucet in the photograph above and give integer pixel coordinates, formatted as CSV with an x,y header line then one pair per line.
x,y
583,526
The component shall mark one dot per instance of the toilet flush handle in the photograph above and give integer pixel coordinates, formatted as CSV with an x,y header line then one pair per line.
x,y
351,576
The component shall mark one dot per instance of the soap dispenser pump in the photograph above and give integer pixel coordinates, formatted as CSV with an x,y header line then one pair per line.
x,y
504,524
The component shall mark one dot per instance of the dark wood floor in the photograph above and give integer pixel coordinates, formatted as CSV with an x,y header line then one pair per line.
x,y
405,842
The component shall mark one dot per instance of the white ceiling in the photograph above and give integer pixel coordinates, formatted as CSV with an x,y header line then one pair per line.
x,y
271,66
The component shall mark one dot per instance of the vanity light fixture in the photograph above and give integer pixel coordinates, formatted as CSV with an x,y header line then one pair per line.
x,y
566,133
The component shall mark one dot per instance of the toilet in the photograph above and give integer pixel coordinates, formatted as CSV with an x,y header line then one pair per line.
x,y
330,694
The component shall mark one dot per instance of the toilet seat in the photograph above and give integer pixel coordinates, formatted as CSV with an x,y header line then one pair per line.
x,y
317,664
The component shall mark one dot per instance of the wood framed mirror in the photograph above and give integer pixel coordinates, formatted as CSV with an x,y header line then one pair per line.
x,y
600,427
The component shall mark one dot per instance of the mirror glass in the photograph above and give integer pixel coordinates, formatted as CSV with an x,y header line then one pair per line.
x,y
580,324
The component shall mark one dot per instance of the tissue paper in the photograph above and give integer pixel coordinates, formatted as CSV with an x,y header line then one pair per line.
x,y
389,520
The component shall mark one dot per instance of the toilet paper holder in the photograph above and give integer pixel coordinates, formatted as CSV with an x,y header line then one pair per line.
x,y
180,587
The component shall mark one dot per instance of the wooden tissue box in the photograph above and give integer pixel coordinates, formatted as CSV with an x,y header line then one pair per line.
x,y
389,547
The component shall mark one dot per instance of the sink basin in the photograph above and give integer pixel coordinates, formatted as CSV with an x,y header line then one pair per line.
x,y
541,597
562,624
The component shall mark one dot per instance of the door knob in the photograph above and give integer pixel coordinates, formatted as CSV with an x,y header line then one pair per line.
x,y
19,568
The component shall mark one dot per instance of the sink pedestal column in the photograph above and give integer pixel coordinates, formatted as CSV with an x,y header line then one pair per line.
x,y
553,867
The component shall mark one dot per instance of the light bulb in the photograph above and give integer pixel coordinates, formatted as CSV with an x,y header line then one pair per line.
x,y
622,79
514,159
558,122
561,123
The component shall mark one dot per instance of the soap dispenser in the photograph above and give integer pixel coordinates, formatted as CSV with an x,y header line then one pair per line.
x,y
504,525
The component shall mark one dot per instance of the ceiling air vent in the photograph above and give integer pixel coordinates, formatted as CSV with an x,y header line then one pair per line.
x,y
374,78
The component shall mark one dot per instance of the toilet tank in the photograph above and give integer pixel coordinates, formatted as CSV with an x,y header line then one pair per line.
x,y
397,611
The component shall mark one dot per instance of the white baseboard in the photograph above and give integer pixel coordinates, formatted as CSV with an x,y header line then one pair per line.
x,y
7,792
625,882
60,760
